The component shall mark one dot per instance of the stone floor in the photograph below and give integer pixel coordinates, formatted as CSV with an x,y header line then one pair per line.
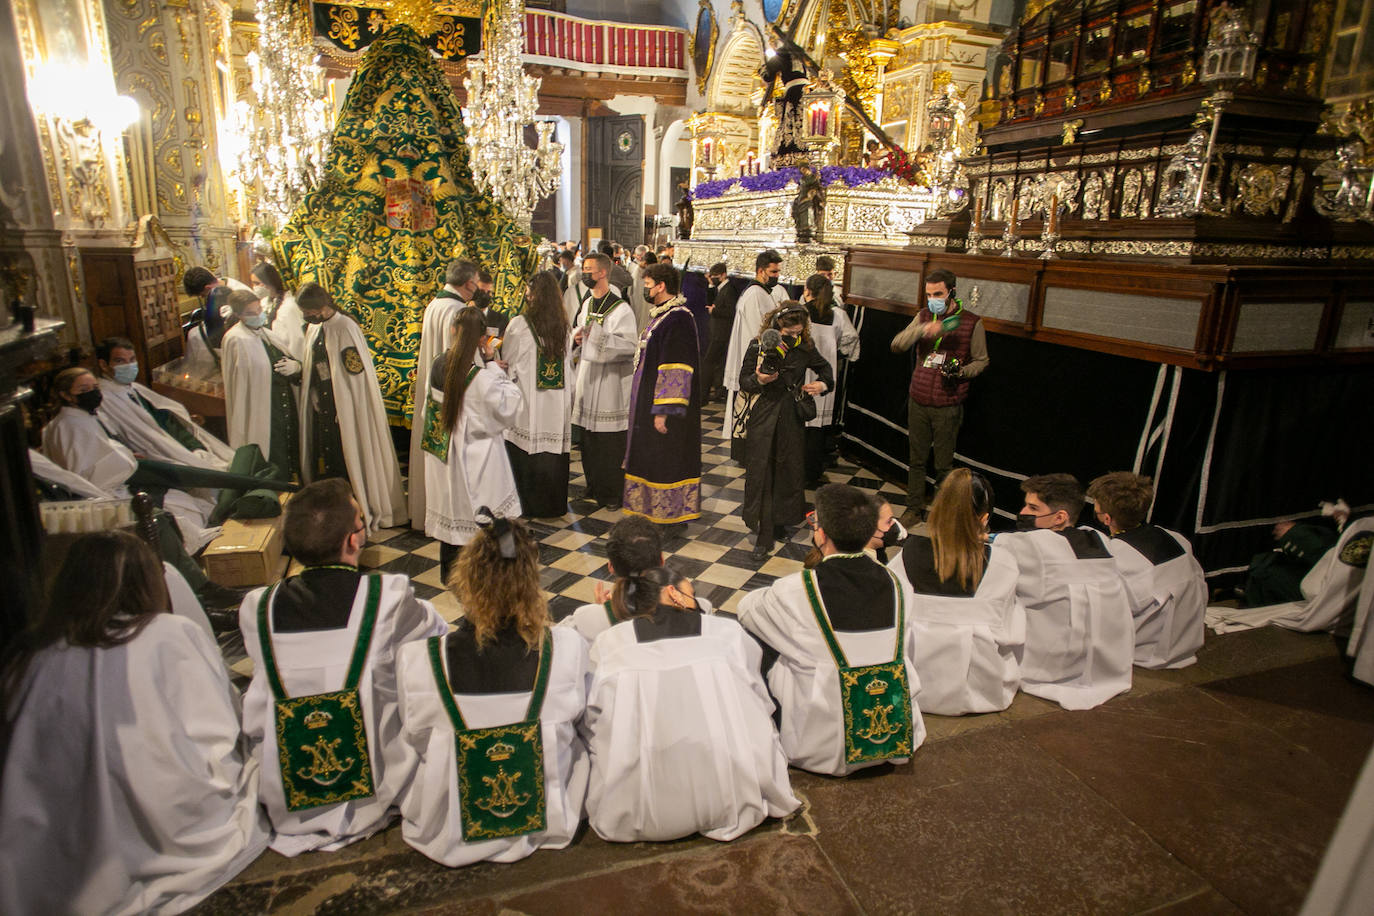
x,y
1213,789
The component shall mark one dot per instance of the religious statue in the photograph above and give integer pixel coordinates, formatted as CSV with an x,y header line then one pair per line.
x,y
808,205
684,212
1344,191
781,67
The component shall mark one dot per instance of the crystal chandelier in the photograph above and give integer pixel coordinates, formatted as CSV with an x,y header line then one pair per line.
x,y
286,134
502,100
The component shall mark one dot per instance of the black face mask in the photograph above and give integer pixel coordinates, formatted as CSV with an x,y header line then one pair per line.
x,y
481,299
648,296
892,536
770,283
89,400
1026,522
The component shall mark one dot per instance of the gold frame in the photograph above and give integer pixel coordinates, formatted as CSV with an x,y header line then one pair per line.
x,y
705,72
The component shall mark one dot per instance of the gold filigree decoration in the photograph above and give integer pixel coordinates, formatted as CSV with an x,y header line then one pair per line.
x,y
376,21
343,26
450,41
420,15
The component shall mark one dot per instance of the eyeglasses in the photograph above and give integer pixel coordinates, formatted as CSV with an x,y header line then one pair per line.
x,y
811,520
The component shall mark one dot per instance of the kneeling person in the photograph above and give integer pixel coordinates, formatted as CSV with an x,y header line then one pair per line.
x,y
843,624
323,645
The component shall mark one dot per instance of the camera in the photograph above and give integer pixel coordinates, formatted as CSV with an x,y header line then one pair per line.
x,y
771,352
950,369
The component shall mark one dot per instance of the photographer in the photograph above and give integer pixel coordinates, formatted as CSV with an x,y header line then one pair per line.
x,y
951,348
774,370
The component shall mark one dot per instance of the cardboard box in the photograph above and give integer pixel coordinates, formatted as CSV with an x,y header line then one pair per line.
x,y
246,553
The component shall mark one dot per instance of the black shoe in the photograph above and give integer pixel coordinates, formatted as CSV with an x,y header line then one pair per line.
x,y
761,550
214,596
780,533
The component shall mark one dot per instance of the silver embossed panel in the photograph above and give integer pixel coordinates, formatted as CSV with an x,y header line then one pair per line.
x,y
1357,326
1159,320
884,283
1277,326
996,298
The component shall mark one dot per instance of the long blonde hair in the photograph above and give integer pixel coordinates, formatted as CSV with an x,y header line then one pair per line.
x,y
956,527
495,590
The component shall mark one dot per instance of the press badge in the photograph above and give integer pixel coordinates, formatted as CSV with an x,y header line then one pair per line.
x,y
934,360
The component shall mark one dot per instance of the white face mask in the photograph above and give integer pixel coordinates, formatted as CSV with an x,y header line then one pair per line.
x,y
255,321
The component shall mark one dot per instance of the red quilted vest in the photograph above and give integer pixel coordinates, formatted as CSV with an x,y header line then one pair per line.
x,y
928,387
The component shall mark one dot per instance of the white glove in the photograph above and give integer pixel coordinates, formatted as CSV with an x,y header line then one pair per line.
x,y
287,367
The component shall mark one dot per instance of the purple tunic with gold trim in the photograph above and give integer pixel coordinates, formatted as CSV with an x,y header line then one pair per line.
x,y
663,470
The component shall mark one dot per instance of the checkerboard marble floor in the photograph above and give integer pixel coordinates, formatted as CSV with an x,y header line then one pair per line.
x,y
714,550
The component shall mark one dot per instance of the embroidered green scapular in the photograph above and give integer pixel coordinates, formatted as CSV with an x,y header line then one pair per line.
x,y
875,698
500,769
435,438
549,375
610,614
322,747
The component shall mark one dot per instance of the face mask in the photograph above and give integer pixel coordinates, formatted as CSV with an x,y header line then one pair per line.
x,y
771,282
126,374
255,321
936,306
481,299
89,400
790,340
892,536
1027,522
648,296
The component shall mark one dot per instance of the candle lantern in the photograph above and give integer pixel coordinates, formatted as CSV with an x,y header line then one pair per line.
x,y
822,103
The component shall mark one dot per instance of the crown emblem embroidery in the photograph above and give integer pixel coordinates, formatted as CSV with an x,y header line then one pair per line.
x,y
876,687
500,751
317,719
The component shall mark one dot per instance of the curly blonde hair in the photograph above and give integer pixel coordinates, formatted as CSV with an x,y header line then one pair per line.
x,y
496,591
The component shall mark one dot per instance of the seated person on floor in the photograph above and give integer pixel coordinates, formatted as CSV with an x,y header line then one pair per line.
x,y
153,425
1275,576
491,706
324,646
968,628
679,722
82,440
1163,580
845,677
1080,637
124,786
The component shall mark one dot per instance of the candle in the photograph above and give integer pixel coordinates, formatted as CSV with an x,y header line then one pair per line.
x,y
978,212
1054,212
1015,204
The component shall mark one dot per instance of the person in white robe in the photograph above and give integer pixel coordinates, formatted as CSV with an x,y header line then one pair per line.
x,y
539,358
283,314
330,628
466,466
968,628
344,428
261,387
436,336
78,440
678,721
763,294
863,608
834,336
154,425
1164,580
501,666
102,815
605,335
1360,646
1080,634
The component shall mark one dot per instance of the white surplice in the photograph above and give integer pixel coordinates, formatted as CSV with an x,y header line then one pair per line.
x,y
368,450
1330,592
129,419
44,468
544,423
1168,602
430,808
1080,636
681,737
125,784
248,385
832,341
77,441
436,336
806,681
753,304
288,324
477,472
316,661
967,650
184,600
1361,644
605,372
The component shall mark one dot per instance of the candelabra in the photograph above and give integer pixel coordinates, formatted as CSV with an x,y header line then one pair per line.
x,y
1010,236
283,140
502,99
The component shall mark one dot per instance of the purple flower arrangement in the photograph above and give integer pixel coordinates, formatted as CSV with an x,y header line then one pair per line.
x,y
850,176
